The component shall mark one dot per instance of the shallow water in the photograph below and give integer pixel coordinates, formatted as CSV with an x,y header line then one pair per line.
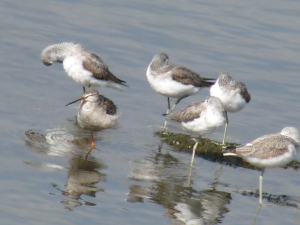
x,y
131,177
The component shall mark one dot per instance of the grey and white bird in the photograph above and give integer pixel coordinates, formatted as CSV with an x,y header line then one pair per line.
x,y
96,112
174,81
273,150
85,67
201,118
233,95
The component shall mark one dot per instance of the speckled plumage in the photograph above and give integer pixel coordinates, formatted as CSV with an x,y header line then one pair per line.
x,y
233,94
269,151
201,118
96,112
85,67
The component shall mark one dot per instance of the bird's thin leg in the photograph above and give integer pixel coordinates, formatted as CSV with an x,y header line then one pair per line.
x,y
226,116
93,143
194,150
165,125
176,103
260,185
169,106
168,111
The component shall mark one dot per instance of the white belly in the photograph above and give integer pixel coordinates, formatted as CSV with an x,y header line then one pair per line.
x,y
206,124
74,68
168,87
231,100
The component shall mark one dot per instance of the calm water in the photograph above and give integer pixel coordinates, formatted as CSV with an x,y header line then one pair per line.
x,y
131,178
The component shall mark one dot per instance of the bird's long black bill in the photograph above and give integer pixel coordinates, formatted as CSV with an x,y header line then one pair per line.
x,y
75,101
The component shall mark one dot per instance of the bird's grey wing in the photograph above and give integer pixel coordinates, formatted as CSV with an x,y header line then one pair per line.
x,y
187,114
99,70
244,91
267,146
109,105
187,77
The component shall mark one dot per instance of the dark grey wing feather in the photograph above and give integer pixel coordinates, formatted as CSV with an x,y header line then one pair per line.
x,y
188,114
100,71
244,91
111,108
187,76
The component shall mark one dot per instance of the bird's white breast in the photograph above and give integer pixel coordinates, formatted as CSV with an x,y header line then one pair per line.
x,y
231,100
95,118
207,123
165,85
74,68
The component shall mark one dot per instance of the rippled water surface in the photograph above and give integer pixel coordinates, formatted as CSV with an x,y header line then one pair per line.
x,y
133,177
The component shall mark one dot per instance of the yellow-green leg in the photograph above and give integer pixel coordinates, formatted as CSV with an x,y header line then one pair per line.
x,y
168,111
226,116
194,150
173,107
260,186
176,103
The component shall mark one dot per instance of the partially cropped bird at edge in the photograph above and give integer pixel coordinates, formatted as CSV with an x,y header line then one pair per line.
x,y
95,113
85,67
273,150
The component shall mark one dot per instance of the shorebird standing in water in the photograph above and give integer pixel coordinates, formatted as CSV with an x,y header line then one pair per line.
x,y
201,118
174,81
271,150
85,67
233,95
96,113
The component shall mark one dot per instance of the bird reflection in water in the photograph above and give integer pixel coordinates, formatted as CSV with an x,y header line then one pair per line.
x,y
162,178
83,174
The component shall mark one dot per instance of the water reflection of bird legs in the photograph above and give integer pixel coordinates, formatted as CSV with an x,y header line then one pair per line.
x,y
256,214
189,177
92,146
192,161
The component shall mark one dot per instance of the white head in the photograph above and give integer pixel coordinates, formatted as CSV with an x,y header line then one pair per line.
x,y
224,78
291,132
56,52
91,95
213,101
160,60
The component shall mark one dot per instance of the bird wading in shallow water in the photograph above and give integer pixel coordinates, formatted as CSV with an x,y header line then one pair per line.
x,y
232,94
201,118
85,67
269,151
95,113
174,81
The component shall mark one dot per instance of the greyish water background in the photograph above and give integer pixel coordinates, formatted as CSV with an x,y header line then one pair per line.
x,y
44,178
